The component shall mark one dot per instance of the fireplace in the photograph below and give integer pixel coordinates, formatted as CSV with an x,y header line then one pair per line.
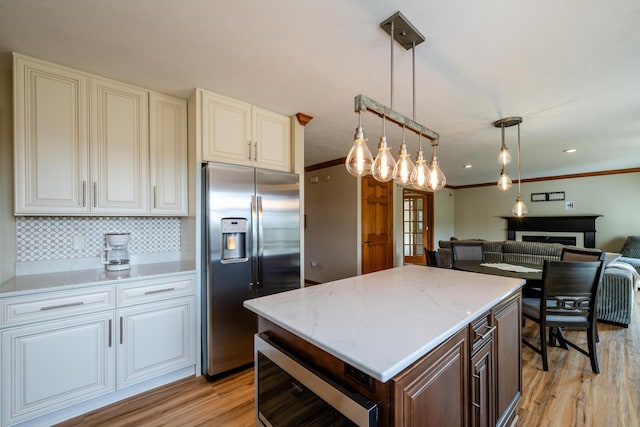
x,y
567,230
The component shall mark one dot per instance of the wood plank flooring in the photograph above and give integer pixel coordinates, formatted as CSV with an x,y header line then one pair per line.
x,y
569,394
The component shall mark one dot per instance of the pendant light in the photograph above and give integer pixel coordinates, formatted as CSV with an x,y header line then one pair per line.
x,y
436,180
404,166
384,168
519,209
420,170
359,160
384,165
504,157
504,182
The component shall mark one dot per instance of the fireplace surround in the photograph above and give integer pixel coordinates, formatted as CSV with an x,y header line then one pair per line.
x,y
554,229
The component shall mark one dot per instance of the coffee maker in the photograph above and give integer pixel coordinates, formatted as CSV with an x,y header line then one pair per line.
x,y
115,256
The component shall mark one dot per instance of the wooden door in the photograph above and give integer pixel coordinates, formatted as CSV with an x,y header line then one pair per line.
x,y
417,225
377,225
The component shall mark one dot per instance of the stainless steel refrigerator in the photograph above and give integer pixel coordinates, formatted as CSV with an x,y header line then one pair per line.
x,y
252,226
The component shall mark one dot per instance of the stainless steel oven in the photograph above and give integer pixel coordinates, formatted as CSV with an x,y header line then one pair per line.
x,y
290,393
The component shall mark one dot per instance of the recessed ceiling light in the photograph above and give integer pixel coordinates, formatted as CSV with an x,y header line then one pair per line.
x,y
569,150
467,166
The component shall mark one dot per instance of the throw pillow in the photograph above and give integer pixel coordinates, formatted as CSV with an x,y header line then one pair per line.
x,y
631,247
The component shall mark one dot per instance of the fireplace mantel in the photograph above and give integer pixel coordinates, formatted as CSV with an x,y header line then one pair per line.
x,y
585,224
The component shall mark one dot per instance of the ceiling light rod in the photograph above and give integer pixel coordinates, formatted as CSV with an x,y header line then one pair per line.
x,y
364,103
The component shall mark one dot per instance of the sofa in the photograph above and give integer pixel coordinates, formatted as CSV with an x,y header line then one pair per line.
x,y
614,303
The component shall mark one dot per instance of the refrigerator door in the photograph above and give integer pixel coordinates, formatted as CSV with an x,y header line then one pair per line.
x,y
228,327
278,232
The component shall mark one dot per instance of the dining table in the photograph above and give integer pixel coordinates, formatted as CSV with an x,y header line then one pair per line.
x,y
532,273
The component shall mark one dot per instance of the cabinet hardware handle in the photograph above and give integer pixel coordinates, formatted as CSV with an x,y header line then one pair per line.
x,y
476,376
249,144
110,332
84,194
159,290
255,151
53,307
154,197
477,405
95,194
121,338
486,334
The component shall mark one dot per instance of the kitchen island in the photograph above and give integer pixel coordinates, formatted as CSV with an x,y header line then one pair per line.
x,y
429,346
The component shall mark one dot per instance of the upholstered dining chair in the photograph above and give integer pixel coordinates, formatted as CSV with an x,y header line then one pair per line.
x,y
568,299
432,258
577,254
466,251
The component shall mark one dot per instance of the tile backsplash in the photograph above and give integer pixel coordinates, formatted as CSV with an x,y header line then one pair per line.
x,y
52,238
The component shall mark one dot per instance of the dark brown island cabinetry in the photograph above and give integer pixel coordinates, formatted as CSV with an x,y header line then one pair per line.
x,y
473,378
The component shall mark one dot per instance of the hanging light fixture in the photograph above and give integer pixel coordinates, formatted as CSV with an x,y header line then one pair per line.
x,y
404,166
504,182
504,157
519,209
384,168
436,180
359,160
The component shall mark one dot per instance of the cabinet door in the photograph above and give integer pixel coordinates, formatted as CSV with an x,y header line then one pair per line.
x,y
508,360
271,139
154,339
51,139
53,365
433,391
168,154
226,130
482,388
119,149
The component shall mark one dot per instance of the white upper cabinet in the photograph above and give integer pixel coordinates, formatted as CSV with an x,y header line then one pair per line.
x,y
119,149
51,139
239,133
84,146
168,154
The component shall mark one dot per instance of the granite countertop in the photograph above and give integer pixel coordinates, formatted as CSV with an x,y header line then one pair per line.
x,y
382,322
31,283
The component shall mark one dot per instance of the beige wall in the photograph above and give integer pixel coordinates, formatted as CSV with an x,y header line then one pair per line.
x,y
331,234
7,221
478,210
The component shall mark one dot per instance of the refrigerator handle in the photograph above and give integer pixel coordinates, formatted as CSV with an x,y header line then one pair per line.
x,y
254,239
260,244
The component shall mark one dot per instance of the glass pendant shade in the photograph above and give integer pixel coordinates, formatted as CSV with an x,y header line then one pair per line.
x,y
436,180
383,165
504,157
420,172
504,182
404,166
359,160
519,209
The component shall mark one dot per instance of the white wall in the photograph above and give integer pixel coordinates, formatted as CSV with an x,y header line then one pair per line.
x,y
478,211
331,234
7,221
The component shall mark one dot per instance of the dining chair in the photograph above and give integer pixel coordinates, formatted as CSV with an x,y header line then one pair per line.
x,y
568,299
466,251
432,258
577,254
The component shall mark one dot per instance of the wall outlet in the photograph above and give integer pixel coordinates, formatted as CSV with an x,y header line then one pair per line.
x,y
569,205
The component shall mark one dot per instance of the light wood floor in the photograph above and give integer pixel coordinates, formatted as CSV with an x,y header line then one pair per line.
x,y
569,394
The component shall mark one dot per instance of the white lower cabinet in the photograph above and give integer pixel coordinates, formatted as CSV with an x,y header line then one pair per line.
x,y
154,339
63,348
48,366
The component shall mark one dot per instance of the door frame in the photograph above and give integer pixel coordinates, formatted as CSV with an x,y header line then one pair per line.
x,y
427,233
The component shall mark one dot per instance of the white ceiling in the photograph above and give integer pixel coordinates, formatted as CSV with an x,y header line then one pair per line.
x,y
569,68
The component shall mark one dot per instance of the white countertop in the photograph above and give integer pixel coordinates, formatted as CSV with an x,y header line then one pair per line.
x,y
30,283
382,322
